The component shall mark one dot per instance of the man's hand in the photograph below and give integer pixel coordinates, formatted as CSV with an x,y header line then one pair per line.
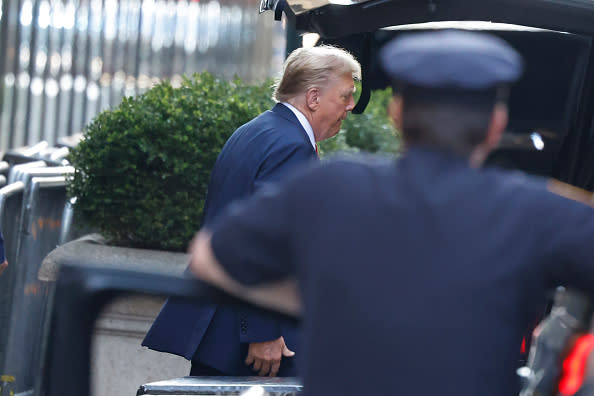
x,y
3,266
266,356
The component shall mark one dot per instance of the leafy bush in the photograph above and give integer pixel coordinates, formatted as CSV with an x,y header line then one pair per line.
x,y
143,168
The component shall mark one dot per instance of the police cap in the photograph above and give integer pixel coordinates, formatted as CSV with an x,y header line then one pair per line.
x,y
451,65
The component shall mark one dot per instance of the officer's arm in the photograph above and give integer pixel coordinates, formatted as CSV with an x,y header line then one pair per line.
x,y
281,296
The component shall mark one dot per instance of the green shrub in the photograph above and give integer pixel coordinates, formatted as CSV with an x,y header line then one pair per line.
x,y
143,168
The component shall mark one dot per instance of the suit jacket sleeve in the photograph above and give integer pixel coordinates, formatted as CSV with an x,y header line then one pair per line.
x,y
279,164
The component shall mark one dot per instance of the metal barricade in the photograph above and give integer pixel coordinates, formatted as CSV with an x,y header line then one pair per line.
x,y
73,227
37,152
11,202
31,151
66,230
25,174
4,168
16,170
59,154
39,233
13,158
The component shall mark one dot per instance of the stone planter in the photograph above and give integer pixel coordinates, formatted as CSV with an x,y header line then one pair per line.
x,y
119,365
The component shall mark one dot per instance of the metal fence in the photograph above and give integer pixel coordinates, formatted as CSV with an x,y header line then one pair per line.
x,y
63,61
34,218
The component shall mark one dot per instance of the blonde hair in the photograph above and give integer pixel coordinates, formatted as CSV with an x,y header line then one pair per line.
x,y
307,68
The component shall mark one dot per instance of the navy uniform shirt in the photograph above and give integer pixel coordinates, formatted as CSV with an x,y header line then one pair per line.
x,y
418,277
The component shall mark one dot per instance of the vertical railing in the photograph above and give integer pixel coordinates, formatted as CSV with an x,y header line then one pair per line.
x,y
63,61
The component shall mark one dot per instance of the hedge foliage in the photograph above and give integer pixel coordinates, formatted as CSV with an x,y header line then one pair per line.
x,y
143,168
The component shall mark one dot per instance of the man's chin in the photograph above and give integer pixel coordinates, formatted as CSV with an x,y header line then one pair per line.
x,y
334,133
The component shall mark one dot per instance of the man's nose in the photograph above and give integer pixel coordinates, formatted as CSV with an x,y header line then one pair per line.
x,y
351,104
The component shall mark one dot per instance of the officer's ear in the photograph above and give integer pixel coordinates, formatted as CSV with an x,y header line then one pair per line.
x,y
395,111
497,125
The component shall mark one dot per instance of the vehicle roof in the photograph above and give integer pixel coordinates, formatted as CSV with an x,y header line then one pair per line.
x,y
336,18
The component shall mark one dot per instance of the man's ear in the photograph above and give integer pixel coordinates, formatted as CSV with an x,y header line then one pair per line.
x,y
395,111
497,125
312,99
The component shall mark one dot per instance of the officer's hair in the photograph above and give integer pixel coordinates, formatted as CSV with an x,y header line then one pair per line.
x,y
307,68
449,126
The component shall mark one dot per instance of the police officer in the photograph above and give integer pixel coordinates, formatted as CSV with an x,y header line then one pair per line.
x,y
417,277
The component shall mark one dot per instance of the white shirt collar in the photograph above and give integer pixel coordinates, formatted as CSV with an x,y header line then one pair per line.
x,y
304,123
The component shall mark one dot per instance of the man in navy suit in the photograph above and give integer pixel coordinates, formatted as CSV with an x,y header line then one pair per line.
x,y
314,95
417,276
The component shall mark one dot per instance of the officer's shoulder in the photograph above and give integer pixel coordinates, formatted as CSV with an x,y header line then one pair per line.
x,y
569,192
515,183
545,190
516,178
352,165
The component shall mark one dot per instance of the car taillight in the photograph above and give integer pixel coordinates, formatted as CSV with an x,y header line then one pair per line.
x,y
574,365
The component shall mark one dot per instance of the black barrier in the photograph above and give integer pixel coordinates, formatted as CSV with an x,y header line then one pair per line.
x,y
11,202
40,232
81,293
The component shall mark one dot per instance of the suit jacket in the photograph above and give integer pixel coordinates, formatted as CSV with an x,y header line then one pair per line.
x,y
265,150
